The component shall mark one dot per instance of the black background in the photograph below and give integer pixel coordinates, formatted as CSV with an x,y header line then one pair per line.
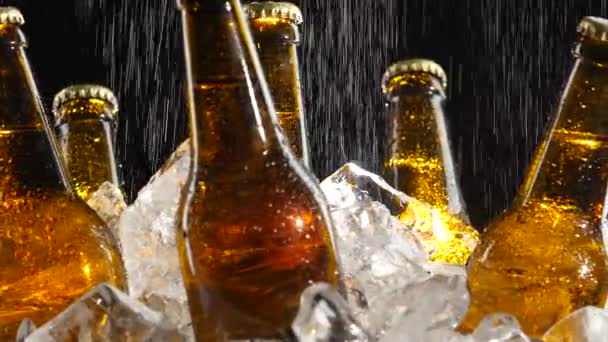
x,y
507,61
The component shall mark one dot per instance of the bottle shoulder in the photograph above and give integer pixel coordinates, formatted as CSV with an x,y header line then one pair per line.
x,y
52,209
57,229
275,182
266,167
543,220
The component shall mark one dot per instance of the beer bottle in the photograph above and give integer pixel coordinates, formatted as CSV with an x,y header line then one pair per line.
x,y
418,159
255,229
53,248
544,258
84,118
276,35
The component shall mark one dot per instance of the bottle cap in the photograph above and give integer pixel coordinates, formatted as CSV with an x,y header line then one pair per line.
x,y
271,9
11,15
414,65
84,91
594,28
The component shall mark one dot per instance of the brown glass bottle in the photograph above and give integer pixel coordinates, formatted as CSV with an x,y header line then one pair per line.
x,y
255,231
84,119
418,160
53,248
276,35
545,258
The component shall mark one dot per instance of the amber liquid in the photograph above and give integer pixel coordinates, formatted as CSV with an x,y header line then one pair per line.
x,y
418,157
255,231
255,238
88,154
419,163
546,259
53,248
276,41
414,165
419,173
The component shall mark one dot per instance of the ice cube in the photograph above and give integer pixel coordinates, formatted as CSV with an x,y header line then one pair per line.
x,y
443,335
589,324
377,254
446,237
385,262
499,327
109,203
368,229
105,314
446,269
26,328
147,235
425,311
324,316
351,184
394,292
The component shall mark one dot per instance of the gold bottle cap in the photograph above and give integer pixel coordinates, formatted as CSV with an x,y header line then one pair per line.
x,y
84,91
414,65
594,28
11,15
271,9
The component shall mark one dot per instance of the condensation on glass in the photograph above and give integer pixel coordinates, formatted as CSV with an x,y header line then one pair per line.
x,y
418,159
254,229
53,248
274,27
545,257
84,120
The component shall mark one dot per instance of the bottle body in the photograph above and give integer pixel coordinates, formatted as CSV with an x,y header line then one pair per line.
x,y
276,40
53,248
255,241
254,229
545,257
85,137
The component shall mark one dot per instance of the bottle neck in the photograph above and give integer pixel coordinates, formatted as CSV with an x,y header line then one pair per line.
x,y
231,114
570,167
20,106
418,157
85,131
276,41
26,140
